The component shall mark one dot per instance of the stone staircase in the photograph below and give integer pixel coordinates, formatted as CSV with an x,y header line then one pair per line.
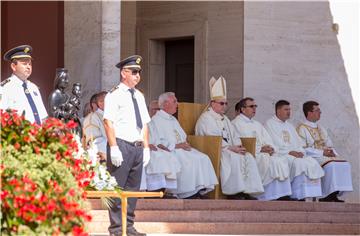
x,y
172,216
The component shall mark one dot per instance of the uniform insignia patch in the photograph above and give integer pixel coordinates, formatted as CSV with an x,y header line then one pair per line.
x,y
5,82
113,89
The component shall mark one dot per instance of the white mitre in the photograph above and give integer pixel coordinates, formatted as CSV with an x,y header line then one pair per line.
x,y
217,88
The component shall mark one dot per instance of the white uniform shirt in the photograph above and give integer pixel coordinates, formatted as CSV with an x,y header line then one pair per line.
x,y
14,97
119,109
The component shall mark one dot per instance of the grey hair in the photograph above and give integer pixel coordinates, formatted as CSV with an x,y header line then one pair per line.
x,y
164,97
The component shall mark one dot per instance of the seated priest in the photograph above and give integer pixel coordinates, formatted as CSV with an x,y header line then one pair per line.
x,y
197,176
273,168
305,172
160,174
317,144
239,174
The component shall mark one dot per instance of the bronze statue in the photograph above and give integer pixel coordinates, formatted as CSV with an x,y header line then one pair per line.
x,y
63,106
58,97
72,107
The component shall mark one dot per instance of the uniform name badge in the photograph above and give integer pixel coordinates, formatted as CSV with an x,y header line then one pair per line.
x,y
35,93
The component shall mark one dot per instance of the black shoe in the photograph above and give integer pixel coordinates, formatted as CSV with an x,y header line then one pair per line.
x,y
331,198
115,234
285,198
195,196
334,199
133,232
241,196
169,196
338,200
249,197
238,196
205,196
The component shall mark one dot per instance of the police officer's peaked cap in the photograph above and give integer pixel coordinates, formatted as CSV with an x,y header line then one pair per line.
x,y
23,51
132,62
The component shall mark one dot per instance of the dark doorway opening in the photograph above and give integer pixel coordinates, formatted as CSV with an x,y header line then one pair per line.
x,y
179,68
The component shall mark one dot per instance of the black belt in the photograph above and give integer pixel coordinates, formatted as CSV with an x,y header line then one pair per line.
x,y
135,144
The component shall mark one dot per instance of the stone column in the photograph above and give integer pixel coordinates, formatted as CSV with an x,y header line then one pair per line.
x,y
82,45
110,43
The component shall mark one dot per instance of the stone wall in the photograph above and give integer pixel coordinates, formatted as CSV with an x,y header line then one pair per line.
x,y
220,24
291,52
92,45
82,45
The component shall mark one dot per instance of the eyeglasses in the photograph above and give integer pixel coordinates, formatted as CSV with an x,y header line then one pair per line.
x,y
221,103
252,106
134,71
316,110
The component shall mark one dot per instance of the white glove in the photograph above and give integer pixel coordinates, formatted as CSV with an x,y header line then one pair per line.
x,y
116,156
146,156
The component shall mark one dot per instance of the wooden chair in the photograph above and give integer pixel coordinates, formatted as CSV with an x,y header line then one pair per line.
x,y
211,146
188,114
249,144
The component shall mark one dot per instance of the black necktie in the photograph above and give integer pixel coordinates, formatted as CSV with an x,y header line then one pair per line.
x,y
32,103
136,108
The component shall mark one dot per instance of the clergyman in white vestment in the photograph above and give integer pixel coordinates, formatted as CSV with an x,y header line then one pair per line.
x,y
93,128
239,175
318,145
273,168
163,167
305,172
197,176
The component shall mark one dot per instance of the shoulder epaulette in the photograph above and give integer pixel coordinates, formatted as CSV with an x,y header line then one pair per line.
x,y
113,89
5,82
140,91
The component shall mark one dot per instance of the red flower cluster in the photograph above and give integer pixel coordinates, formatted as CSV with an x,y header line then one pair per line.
x,y
39,201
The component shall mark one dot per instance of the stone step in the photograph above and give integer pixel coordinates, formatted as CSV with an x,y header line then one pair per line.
x,y
248,228
236,216
238,228
169,216
237,205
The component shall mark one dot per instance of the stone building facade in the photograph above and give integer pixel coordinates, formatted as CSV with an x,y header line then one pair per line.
x,y
266,50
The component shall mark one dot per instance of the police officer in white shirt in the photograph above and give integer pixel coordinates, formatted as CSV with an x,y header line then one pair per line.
x,y
19,93
125,121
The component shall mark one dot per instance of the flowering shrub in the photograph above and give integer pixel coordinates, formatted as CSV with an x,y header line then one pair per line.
x,y
42,178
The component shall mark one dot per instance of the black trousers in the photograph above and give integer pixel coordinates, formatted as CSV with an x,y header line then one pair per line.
x,y
128,177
